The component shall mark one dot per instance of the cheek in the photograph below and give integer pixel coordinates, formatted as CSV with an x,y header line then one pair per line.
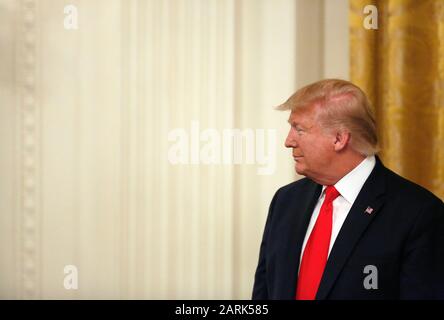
x,y
323,150
317,150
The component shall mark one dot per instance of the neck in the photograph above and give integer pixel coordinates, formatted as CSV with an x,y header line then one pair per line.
x,y
340,168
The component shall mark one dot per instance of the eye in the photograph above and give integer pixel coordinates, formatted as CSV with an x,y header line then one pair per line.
x,y
299,131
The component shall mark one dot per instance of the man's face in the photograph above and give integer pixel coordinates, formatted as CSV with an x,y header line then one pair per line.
x,y
313,149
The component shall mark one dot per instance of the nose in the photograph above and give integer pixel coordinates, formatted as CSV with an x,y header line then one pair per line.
x,y
291,141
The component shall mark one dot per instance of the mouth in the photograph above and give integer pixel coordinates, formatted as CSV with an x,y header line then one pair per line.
x,y
296,158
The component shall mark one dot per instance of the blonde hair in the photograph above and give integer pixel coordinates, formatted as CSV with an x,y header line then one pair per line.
x,y
340,105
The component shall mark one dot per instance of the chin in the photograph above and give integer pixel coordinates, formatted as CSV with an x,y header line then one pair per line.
x,y
299,170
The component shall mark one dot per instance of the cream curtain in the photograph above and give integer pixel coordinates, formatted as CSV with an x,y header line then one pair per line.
x,y
85,117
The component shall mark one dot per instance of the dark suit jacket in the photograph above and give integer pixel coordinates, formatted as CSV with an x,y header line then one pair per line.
x,y
403,238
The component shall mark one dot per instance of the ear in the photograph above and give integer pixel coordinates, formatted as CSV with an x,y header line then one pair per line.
x,y
342,139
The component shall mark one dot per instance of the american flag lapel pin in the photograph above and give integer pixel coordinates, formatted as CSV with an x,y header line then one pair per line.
x,y
369,210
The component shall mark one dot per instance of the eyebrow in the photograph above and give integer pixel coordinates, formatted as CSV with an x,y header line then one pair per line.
x,y
300,125
294,123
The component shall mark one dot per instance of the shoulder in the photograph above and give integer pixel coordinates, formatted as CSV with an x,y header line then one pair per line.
x,y
402,189
300,185
295,189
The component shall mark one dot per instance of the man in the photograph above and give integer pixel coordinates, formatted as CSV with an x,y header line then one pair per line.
x,y
352,229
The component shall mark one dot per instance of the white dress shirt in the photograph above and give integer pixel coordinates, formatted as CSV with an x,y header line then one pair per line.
x,y
348,187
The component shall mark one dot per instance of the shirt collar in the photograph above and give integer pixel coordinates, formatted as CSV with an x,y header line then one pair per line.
x,y
351,184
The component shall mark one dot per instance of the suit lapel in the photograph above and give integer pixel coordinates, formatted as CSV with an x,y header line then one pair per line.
x,y
300,213
371,196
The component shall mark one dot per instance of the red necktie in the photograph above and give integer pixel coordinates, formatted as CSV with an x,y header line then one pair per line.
x,y
315,254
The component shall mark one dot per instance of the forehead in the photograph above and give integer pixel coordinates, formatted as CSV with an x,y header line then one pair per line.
x,y
302,116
